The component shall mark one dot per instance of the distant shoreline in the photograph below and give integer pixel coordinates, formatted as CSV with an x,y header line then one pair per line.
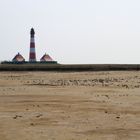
x,y
69,67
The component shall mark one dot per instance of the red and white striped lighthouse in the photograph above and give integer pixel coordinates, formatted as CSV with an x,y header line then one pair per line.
x,y
32,55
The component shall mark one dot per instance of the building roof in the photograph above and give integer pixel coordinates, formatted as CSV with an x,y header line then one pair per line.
x,y
18,58
46,57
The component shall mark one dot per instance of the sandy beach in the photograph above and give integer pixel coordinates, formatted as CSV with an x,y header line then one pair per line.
x,y
70,106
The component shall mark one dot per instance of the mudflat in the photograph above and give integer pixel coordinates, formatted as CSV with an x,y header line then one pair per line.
x,y
70,106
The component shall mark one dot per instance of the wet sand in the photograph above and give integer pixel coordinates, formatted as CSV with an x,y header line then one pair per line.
x,y
70,106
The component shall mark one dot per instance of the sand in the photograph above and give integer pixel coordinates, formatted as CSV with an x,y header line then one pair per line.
x,y
70,106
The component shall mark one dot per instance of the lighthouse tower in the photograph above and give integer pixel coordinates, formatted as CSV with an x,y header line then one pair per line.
x,y
32,55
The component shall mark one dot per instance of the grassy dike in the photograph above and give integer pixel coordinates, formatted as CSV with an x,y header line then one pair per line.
x,y
74,67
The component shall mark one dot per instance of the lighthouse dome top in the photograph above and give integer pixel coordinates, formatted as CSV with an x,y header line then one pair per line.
x,y
32,31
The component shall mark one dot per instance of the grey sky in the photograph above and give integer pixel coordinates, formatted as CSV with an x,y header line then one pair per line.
x,y
72,31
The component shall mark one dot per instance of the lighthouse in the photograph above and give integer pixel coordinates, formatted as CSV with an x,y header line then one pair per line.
x,y
32,54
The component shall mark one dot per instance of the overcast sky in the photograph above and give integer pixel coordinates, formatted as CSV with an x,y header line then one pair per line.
x,y
72,31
